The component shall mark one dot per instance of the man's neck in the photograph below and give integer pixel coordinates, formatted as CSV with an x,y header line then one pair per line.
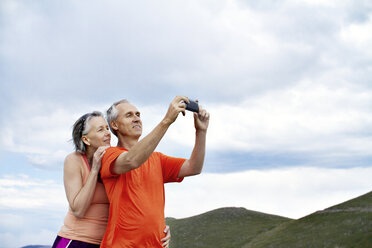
x,y
127,142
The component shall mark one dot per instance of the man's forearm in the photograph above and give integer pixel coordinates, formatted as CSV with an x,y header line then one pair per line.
x,y
194,165
198,153
141,151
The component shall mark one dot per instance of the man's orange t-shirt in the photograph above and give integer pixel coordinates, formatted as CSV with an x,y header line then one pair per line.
x,y
137,200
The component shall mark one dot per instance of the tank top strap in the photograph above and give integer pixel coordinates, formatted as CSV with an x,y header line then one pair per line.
x,y
86,167
86,161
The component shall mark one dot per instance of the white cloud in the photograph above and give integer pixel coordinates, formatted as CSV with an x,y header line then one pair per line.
x,y
11,221
41,130
325,3
24,192
306,118
32,210
309,117
290,192
224,48
20,239
357,35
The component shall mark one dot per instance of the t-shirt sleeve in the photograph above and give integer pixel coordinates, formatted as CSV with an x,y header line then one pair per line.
x,y
171,167
108,160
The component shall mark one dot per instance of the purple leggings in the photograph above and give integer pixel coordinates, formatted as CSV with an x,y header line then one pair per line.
x,y
68,243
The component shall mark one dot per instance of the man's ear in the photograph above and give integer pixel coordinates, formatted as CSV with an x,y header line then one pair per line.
x,y
114,125
85,140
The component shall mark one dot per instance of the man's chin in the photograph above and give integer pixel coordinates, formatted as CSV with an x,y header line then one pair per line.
x,y
138,135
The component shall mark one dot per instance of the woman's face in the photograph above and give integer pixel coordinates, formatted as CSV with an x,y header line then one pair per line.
x,y
98,134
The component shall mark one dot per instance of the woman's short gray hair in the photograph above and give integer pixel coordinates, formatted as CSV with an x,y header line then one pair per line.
x,y
80,128
112,114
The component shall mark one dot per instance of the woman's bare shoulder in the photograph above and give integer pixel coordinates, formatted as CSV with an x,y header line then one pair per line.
x,y
72,158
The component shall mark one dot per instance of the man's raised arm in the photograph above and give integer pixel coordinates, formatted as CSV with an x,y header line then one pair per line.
x,y
142,150
194,165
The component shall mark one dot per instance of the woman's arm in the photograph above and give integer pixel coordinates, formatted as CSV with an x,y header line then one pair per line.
x,y
78,195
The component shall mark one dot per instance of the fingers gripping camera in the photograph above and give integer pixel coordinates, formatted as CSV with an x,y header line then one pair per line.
x,y
192,106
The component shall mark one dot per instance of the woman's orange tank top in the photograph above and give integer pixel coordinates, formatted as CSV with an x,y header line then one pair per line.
x,y
92,226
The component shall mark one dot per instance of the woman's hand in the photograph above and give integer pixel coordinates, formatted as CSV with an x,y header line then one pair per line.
x,y
166,239
97,157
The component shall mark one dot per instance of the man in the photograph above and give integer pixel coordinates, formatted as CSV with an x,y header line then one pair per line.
x,y
134,175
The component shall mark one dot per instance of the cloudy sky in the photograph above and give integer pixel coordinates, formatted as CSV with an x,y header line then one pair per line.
x,y
288,85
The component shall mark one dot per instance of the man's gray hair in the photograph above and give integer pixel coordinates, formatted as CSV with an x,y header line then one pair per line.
x,y
112,114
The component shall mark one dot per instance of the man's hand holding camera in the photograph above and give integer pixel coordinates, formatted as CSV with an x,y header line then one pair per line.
x,y
201,119
180,104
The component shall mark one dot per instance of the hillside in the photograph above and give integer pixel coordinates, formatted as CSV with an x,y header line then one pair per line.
x,y
225,227
345,225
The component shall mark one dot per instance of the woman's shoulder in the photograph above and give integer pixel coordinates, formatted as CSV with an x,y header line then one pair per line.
x,y
73,158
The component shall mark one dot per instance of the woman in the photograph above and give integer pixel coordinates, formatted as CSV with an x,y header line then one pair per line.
x,y
86,219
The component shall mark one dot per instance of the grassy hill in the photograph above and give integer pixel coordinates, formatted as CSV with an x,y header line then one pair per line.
x,y
225,227
345,225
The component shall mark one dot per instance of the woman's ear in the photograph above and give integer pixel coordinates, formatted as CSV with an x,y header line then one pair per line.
x,y
85,140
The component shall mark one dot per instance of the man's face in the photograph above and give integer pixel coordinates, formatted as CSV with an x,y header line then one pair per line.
x,y
129,120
